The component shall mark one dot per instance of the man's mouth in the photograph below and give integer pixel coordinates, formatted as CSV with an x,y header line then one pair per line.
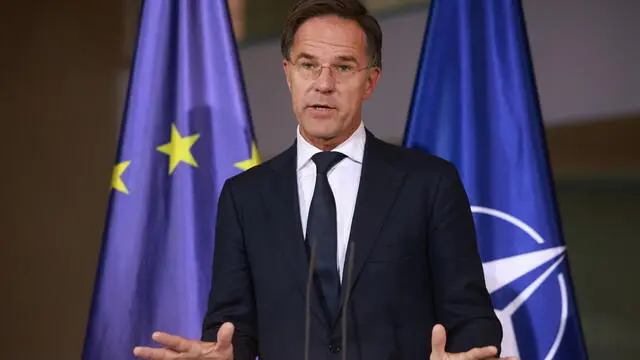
x,y
322,107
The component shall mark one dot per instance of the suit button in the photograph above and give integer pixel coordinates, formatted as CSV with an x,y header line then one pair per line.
x,y
334,348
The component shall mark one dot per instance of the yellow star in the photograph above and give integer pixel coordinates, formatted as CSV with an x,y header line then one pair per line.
x,y
179,149
249,163
116,177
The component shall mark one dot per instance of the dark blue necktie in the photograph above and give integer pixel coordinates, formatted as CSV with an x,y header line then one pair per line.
x,y
322,230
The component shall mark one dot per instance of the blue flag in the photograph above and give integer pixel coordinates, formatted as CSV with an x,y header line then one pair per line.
x,y
186,130
475,104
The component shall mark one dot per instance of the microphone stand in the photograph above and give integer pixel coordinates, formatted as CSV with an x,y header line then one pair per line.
x,y
307,310
346,300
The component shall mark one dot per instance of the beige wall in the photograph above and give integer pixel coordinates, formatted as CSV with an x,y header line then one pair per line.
x,y
57,106
238,8
381,5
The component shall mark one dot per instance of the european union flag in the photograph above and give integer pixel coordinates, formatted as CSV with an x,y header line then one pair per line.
x,y
475,104
186,130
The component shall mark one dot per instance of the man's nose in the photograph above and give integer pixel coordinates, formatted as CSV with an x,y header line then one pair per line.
x,y
325,81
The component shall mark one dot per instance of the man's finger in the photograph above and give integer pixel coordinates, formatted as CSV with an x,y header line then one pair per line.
x,y
154,354
483,353
438,342
173,342
476,354
225,334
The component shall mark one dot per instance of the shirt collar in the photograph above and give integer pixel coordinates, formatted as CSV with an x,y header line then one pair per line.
x,y
353,147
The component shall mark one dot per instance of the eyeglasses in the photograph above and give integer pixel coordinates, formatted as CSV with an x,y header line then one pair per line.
x,y
311,70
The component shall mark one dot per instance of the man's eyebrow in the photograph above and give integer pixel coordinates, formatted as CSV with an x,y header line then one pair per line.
x,y
347,58
343,58
304,55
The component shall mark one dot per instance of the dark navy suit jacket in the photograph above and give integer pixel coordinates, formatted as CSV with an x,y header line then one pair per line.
x,y
415,264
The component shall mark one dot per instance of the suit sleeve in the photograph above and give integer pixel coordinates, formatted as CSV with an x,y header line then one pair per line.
x,y
462,303
231,297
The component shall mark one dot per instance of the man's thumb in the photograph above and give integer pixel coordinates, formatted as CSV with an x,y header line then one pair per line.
x,y
225,333
438,342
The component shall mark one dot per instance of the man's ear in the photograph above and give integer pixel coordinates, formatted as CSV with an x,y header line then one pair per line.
x,y
372,81
286,66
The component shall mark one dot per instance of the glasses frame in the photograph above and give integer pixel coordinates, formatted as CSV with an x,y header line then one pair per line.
x,y
314,74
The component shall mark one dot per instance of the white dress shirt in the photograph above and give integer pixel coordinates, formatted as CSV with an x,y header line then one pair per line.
x,y
344,179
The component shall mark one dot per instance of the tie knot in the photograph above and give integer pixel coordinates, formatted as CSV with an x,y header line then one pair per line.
x,y
326,160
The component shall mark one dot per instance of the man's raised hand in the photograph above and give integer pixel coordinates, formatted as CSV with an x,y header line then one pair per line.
x,y
176,347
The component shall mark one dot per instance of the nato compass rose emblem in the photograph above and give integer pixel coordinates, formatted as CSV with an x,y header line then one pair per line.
x,y
530,297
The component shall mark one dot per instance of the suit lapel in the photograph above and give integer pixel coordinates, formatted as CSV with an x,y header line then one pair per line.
x,y
281,199
379,185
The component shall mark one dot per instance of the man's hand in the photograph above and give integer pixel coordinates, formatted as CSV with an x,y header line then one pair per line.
x,y
439,340
177,347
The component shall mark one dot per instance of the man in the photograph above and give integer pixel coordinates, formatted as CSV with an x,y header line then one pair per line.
x,y
387,231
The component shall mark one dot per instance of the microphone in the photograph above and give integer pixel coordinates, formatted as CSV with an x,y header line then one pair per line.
x,y
346,300
307,310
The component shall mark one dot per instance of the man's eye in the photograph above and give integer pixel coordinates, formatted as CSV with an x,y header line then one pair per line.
x,y
307,65
344,68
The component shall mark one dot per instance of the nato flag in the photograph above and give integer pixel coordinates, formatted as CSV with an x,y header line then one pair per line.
x,y
475,104
186,129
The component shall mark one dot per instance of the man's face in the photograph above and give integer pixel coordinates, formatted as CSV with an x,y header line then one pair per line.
x,y
329,78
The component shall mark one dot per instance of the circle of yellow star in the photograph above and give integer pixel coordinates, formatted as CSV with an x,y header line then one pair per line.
x,y
253,161
116,177
179,149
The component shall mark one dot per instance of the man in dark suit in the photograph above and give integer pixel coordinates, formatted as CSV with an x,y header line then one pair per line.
x,y
387,231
